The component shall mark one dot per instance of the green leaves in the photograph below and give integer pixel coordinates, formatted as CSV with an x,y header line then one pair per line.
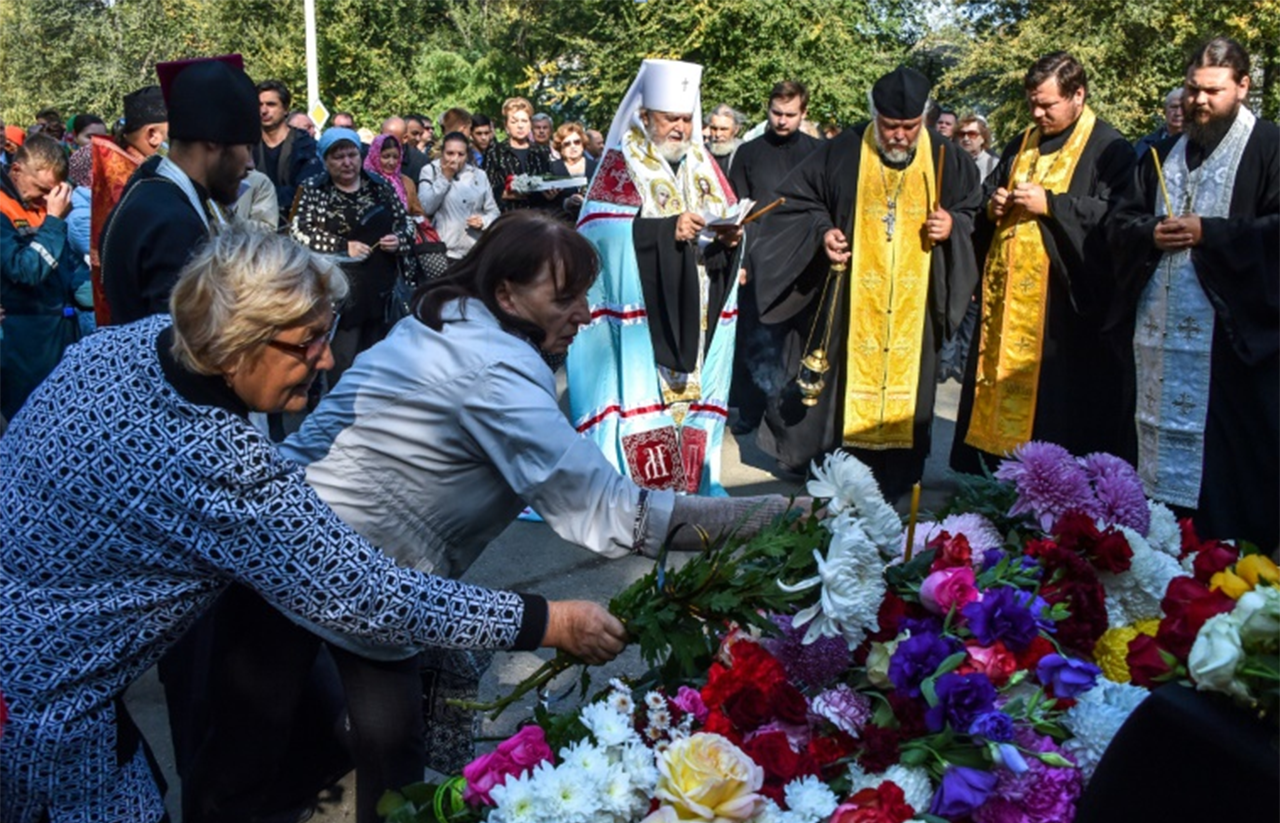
x,y
677,615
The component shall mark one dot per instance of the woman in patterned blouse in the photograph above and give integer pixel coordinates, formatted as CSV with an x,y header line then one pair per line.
x,y
133,490
517,155
347,211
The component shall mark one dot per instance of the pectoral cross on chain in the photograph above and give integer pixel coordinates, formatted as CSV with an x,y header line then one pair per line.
x,y
889,219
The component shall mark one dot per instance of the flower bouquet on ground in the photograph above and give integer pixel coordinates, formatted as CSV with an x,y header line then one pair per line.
x,y
851,669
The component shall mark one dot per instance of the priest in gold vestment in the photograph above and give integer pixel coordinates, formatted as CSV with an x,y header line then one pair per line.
x,y
1045,365
871,259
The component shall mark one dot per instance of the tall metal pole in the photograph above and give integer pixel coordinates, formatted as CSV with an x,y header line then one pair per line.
x,y
314,106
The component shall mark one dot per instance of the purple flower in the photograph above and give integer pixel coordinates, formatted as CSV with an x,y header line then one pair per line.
x,y
1050,483
992,557
816,664
961,698
918,657
994,726
1067,677
1005,614
962,791
1038,793
1119,492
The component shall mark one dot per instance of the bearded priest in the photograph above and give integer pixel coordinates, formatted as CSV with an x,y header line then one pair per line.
x,y
649,376
1198,240
870,259
1042,367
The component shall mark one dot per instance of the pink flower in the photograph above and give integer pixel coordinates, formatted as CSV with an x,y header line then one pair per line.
x,y
689,701
514,756
947,589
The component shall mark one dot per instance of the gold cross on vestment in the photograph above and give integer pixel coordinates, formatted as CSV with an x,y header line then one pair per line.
x,y
1184,404
1189,327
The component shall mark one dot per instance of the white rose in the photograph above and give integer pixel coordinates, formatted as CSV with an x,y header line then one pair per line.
x,y
1215,656
1258,613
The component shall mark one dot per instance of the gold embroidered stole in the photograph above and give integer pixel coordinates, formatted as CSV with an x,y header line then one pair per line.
x,y
1015,290
888,289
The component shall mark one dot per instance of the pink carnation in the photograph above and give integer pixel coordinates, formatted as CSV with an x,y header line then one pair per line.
x,y
947,589
514,756
1042,794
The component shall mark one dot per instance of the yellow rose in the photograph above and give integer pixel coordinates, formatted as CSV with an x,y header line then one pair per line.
x,y
706,777
1231,585
1255,568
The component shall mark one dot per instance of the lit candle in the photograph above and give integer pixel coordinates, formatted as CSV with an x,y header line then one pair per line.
x,y
911,522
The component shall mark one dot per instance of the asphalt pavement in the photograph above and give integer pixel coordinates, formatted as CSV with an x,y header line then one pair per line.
x,y
528,556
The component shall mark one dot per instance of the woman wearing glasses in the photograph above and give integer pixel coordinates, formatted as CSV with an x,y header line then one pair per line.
x,y
570,140
133,490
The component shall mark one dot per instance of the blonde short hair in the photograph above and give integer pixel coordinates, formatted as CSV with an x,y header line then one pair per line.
x,y
516,104
241,289
565,130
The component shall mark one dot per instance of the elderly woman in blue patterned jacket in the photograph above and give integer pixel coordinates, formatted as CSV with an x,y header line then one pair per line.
x,y
133,489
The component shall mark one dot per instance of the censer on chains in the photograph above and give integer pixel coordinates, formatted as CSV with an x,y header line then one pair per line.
x,y
812,377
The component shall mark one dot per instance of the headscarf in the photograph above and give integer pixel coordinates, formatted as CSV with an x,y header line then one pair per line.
x,y
373,165
80,167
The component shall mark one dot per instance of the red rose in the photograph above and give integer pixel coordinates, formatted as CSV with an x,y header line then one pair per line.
x,y
747,708
1108,550
1073,582
1211,559
788,704
892,609
1029,657
781,764
827,749
1146,665
883,804
995,661
880,748
951,552
1187,606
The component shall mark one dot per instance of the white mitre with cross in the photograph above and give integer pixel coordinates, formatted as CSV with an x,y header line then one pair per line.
x,y
660,85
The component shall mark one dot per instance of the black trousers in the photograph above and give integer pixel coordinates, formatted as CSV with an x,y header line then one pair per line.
x,y
276,735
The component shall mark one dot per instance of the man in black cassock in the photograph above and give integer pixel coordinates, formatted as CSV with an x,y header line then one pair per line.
x,y
170,204
1200,302
759,167
909,278
1040,367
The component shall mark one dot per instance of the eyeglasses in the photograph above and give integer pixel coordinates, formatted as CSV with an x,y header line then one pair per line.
x,y
972,134
574,142
311,349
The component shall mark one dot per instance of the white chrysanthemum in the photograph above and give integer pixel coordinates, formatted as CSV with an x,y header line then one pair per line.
x,y
768,812
810,798
655,700
1096,717
591,761
617,793
852,581
914,782
621,703
1136,594
609,727
660,719
516,801
858,778
565,795
849,487
640,763
1164,535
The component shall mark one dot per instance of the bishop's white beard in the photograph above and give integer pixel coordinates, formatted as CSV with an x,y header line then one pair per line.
x,y
671,152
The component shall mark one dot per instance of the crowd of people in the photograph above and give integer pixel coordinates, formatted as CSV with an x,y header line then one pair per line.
x,y
271,388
